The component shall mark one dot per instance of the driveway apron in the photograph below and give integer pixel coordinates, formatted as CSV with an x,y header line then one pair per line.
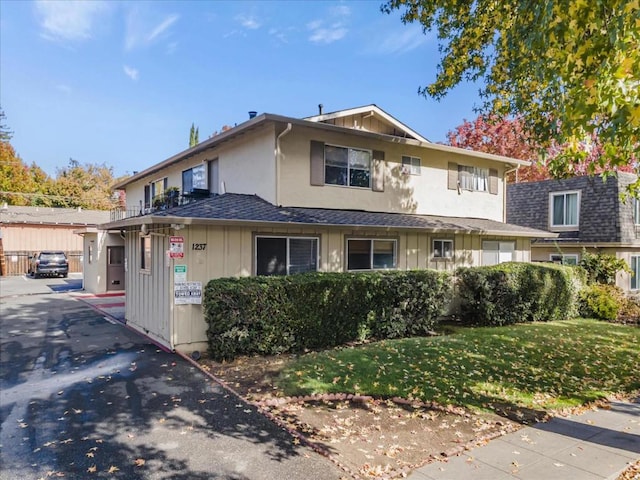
x,y
81,397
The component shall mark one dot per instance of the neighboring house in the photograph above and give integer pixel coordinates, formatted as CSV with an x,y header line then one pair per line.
x,y
346,191
586,213
26,230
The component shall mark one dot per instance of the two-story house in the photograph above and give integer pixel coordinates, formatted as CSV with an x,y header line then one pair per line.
x,y
585,213
346,191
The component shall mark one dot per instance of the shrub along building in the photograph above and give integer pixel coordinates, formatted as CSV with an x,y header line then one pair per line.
x,y
352,190
585,213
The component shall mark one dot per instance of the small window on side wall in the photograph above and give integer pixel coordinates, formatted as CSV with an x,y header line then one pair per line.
x,y
145,253
443,249
565,259
411,165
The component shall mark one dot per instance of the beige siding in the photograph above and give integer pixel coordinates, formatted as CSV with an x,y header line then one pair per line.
x,y
46,237
95,265
230,252
426,193
247,167
149,294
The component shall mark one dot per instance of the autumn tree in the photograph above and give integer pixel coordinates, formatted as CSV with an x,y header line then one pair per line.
x,y
87,186
569,69
5,133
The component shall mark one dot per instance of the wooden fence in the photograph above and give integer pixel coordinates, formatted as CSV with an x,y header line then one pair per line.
x,y
17,263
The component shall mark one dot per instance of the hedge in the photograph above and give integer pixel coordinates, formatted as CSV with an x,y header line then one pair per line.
x,y
514,292
271,315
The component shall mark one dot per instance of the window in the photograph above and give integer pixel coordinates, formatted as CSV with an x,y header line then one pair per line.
x,y
347,166
412,164
635,272
194,178
90,252
443,249
145,253
371,254
565,259
473,178
636,211
564,209
286,255
494,252
147,196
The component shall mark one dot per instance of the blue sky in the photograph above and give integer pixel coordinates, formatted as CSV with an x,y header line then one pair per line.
x,y
120,83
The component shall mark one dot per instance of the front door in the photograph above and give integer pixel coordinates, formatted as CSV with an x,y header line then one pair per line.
x,y
115,268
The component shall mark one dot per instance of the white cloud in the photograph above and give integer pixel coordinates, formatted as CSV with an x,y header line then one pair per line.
x,y
131,72
250,22
69,21
409,39
333,28
141,33
326,35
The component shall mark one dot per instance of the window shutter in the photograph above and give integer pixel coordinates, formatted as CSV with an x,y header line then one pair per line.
x,y
493,181
317,163
377,177
453,176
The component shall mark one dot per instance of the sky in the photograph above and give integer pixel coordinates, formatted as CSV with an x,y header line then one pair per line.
x,y
120,83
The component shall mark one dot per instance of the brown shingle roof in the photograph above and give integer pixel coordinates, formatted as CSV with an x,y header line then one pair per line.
x,y
52,216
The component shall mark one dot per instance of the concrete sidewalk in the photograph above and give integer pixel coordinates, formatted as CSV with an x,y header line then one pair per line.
x,y
112,305
598,444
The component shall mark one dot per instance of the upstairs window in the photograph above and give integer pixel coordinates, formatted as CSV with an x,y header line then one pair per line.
x,y
195,177
636,211
350,167
411,165
564,209
371,254
475,179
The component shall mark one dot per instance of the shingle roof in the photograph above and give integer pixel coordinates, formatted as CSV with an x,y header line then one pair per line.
x,y
251,208
52,216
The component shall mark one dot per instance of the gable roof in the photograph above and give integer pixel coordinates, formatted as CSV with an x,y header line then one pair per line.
x,y
52,216
309,122
370,111
234,208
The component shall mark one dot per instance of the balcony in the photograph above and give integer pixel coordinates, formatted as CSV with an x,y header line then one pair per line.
x,y
170,199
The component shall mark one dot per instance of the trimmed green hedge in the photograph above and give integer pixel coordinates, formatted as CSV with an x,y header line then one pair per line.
x,y
271,315
514,292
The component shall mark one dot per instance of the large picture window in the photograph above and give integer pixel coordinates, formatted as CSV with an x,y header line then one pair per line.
x,y
195,177
473,178
371,254
350,167
635,272
494,252
565,209
145,253
286,255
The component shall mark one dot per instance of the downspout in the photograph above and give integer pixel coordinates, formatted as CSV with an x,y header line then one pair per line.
x,y
504,194
278,155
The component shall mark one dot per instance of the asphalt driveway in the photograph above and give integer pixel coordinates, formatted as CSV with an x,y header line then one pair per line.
x,y
81,398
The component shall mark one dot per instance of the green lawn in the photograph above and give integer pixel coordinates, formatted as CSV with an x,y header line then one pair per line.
x,y
539,366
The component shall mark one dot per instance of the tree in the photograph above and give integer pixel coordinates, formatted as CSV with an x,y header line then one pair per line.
x,y
193,136
508,137
5,133
570,69
19,183
86,186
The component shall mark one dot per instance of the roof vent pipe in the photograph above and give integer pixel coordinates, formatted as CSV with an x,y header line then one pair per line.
x,y
320,109
252,114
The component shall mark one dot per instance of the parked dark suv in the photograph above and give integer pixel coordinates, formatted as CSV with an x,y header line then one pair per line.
x,y
48,262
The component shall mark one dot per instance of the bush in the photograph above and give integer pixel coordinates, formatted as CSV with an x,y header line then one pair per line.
x,y
601,301
602,267
513,292
271,315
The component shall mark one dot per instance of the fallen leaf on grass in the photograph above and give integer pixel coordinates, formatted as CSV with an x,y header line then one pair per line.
x,y
113,469
139,462
92,469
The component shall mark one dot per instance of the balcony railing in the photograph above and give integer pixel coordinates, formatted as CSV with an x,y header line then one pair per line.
x,y
162,202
